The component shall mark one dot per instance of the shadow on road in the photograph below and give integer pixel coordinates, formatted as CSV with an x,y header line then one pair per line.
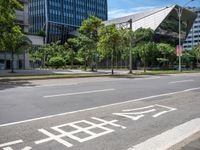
x,y
14,84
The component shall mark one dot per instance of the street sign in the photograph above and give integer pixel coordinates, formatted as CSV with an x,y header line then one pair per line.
x,y
179,50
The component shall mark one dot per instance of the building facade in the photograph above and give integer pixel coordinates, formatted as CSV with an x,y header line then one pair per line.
x,y
58,19
193,38
21,61
164,21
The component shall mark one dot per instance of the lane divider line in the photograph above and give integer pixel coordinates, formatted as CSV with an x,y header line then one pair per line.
x,y
181,81
79,93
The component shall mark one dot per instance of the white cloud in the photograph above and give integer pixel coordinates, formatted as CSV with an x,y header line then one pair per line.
x,y
116,13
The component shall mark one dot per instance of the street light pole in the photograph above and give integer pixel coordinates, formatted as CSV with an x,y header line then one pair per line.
x,y
179,16
131,56
180,11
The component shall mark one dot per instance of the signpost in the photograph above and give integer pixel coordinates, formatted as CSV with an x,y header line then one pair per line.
x,y
179,50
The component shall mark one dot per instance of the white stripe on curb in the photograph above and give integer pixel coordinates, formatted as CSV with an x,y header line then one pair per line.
x,y
103,106
172,139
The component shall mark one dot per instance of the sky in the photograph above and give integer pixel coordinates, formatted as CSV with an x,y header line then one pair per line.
x,y
119,8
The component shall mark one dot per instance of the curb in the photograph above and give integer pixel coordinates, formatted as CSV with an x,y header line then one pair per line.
x,y
173,139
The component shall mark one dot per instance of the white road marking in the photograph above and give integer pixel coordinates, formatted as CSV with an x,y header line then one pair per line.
x,y
11,143
149,78
9,148
77,129
136,114
181,81
99,107
49,85
78,93
178,136
139,108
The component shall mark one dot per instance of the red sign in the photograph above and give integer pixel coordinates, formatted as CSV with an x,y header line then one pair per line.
x,y
179,50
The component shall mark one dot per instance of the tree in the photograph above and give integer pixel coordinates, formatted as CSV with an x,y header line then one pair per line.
x,y
70,53
144,41
144,35
11,34
188,58
85,53
41,54
11,41
57,62
89,30
147,53
167,54
7,17
197,53
109,42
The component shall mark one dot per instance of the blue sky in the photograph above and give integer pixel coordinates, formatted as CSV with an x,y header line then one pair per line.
x,y
118,8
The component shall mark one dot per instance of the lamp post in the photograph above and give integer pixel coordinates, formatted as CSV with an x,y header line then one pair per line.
x,y
180,11
131,56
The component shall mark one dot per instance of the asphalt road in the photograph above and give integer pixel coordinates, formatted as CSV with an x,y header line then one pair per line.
x,y
94,113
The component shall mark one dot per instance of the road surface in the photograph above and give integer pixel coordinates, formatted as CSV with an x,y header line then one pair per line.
x,y
96,113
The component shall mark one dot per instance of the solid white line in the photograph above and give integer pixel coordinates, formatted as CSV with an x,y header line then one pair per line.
x,y
127,110
182,81
103,106
11,143
79,93
180,135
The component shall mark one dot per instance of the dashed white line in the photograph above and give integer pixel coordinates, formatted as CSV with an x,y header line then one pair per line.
x,y
103,106
79,93
181,81
50,85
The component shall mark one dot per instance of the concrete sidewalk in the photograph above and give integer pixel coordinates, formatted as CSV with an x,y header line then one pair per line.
x,y
58,71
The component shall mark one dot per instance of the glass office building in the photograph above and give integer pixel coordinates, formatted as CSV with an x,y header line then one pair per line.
x,y
193,38
59,18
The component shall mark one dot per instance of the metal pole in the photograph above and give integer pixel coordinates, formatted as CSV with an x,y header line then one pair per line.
x,y
179,15
180,10
131,56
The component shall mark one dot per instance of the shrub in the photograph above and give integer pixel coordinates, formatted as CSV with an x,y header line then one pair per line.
x,y
57,62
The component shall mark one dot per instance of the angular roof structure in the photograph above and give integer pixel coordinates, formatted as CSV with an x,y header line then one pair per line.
x,y
154,18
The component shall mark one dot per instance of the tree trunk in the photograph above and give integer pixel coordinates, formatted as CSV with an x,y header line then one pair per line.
x,y
12,61
145,66
72,64
112,62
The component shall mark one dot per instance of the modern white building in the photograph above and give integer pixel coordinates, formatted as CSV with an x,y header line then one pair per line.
x,y
193,38
164,21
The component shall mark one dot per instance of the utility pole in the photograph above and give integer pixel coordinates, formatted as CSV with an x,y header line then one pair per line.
x,y
131,56
180,11
179,16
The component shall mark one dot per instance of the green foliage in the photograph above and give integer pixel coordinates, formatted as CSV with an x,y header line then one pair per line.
x,y
109,42
41,33
144,35
90,27
7,20
197,52
147,53
56,62
90,37
167,55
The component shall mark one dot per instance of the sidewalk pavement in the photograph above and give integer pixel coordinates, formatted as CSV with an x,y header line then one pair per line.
x,y
4,73
195,145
